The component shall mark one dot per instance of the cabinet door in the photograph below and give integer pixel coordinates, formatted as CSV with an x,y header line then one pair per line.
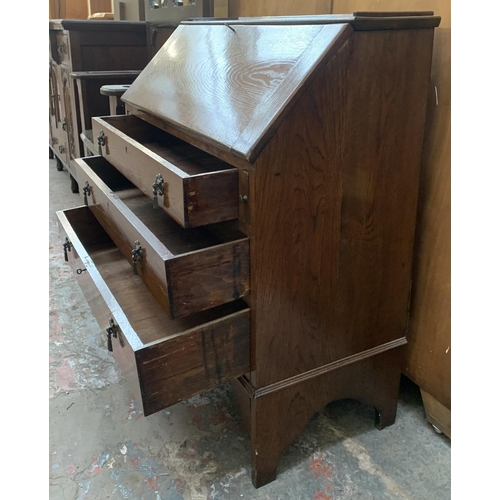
x,y
57,114
69,112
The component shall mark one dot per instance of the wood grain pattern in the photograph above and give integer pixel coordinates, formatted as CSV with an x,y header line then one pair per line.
x,y
338,186
428,356
199,188
186,271
194,361
193,139
248,77
163,360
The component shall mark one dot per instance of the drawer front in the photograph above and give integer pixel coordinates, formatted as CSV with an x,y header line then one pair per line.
x,y
62,48
182,282
163,361
59,141
198,189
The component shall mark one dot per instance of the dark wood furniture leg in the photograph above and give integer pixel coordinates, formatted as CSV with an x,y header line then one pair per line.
x,y
280,413
59,164
74,184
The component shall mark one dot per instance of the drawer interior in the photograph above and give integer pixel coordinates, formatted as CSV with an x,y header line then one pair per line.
x,y
176,239
147,318
192,161
116,181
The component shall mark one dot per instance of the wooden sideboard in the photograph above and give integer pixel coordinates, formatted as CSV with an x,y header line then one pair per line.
x,y
84,55
252,217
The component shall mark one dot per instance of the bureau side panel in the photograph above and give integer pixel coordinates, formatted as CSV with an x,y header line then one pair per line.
x,y
333,218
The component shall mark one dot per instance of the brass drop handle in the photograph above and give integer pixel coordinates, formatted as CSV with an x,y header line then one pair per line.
x,y
101,141
67,248
243,198
136,256
158,189
111,331
87,190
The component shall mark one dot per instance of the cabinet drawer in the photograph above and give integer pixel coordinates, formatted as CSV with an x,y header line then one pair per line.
x,y
186,270
163,360
198,188
62,48
58,141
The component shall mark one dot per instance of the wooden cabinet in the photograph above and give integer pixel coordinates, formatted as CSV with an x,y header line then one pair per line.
x,y
297,287
84,55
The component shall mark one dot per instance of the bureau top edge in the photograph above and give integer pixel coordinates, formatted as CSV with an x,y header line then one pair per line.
x,y
358,20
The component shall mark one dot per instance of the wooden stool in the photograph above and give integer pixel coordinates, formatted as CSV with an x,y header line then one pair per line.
x,y
116,107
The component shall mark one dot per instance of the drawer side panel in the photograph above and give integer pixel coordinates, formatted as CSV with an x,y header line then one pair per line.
x,y
201,280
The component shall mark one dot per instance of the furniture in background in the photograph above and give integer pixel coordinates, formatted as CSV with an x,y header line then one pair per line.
x,y
114,93
78,9
96,7
163,17
93,102
253,221
84,55
68,9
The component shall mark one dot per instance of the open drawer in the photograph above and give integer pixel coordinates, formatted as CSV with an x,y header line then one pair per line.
x,y
186,270
193,187
163,360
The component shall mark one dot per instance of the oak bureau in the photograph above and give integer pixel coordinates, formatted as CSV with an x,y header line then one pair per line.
x,y
251,217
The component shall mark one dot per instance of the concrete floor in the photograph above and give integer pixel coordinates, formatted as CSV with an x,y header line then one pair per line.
x,y
102,447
